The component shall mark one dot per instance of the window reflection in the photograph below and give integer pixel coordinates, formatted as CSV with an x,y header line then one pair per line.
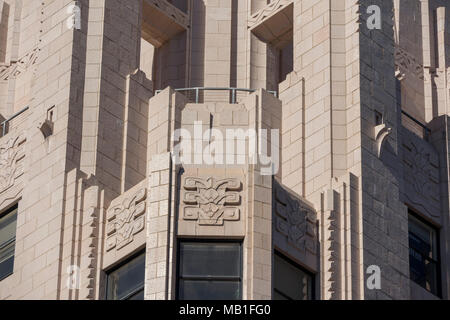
x,y
210,271
127,281
290,281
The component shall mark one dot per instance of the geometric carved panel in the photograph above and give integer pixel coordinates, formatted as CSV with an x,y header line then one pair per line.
x,y
211,201
294,220
274,23
11,161
125,220
421,174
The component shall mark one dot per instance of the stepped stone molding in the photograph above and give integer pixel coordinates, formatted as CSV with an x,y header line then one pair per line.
x,y
11,161
295,221
126,220
16,68
211,201
90,272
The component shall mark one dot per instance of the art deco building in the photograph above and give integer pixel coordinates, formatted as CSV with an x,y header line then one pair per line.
x,y
94,203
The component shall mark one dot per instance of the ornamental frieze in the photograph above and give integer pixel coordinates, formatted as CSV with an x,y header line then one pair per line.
x,y
126,220
211,201
295,221
16,68
12,155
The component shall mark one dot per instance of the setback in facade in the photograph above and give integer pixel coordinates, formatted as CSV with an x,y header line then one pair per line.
x,y
224,149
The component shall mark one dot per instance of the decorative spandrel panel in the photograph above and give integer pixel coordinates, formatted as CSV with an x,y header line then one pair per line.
x,y
211,205
294,224
12,155
126,219
420,175
211,201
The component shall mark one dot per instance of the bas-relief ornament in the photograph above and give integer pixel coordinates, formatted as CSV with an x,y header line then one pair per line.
x,y
382,132
16,68
125,220
170,10
11,161
295,221
211,201
406,63
267,11
421,176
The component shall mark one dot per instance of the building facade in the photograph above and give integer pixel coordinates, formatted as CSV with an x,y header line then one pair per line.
x,y
224,149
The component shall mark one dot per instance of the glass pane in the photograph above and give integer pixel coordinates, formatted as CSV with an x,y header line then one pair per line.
x,y
210,290
210,259
423,254
424,236
8,227
126,281
139,295
6,267
7,251
290,282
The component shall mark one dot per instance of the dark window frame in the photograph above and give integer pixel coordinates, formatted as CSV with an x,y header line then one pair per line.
x,y
119,265
208,241
413,213
3,214
312,276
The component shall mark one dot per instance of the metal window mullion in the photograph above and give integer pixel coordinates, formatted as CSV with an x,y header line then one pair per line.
x,y
203,278
133,292
7,243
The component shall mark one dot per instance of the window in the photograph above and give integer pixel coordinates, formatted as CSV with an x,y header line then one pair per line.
x,y
210,271
7,241
290,281
423,254
127,281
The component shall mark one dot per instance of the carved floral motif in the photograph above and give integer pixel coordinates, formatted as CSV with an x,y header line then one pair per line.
x,y
210,201
295,221
11,158
125,220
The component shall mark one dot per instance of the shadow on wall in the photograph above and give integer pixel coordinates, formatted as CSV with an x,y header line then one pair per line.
x,y
4,17
197,69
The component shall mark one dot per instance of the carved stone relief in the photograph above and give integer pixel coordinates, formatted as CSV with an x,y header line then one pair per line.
x,y
16,68
125,220
382,132
211,201
295,221
11,161
421,175
270,9
170,10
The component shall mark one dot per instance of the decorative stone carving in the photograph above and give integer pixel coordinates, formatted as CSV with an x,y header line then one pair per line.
x,y
295,221
421,175
406,64
211,201
438,77
46,127
125,220
381,133
170,10
267,11
89,274
16,68
11,159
